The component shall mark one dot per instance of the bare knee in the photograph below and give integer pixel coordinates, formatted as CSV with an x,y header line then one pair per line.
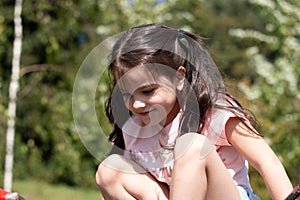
x,y
119,177
105,176
193,145
110,178
112,169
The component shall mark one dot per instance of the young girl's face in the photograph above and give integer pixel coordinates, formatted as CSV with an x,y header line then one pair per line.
x,y
151,96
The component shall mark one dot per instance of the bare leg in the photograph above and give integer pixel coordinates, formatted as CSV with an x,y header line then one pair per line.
x,y
200,178
120,178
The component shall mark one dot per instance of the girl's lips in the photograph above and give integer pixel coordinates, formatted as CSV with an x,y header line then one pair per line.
x,y
144,113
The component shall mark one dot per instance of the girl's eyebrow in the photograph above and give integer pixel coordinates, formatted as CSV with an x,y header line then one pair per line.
x,y
142,87
147,86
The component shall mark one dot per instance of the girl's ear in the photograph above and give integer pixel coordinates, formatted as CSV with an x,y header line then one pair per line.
x,y
180,76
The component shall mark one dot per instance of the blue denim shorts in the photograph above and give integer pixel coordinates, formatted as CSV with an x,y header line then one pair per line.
x,y
247,194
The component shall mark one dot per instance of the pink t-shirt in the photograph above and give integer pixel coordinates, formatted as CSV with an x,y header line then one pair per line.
x,y
144,145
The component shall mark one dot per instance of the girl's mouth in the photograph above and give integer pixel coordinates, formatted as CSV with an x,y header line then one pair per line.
x,y
146,113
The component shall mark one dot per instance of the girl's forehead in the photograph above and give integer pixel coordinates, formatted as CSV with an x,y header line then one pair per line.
x,y
142,76
136,77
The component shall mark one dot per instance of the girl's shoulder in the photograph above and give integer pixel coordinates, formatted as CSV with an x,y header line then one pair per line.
x,y
216,119
224,108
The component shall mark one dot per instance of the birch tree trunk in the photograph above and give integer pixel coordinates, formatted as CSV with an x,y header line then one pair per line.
x,y
13,89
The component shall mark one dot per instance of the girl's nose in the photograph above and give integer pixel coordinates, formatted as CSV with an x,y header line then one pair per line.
x,y
137,104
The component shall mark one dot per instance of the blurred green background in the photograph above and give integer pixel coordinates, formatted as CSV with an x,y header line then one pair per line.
x,y
255,43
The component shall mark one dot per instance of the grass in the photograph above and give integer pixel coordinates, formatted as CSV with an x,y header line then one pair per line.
x,y
38,190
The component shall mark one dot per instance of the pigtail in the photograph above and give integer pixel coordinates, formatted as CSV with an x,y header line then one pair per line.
x,y
204,80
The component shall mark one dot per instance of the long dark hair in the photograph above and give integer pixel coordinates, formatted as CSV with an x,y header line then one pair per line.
x,y
154,43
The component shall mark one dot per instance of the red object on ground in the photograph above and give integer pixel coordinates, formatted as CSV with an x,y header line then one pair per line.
x,y
4,195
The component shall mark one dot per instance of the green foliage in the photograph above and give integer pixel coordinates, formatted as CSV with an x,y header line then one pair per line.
x,y
213,20
47,145
275,60
132,13
58,35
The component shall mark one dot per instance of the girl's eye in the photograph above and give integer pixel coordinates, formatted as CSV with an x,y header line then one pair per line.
x,y
148,91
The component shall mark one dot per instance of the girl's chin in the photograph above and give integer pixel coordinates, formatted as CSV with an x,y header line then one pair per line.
x,y
147,121
152,118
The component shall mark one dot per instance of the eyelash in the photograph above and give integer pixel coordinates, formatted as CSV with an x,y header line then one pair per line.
x,y
145,92
149,91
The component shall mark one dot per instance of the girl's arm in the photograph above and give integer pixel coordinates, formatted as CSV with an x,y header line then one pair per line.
x,y
260,156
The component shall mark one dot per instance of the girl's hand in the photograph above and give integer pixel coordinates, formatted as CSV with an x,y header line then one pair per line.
x,y
121,178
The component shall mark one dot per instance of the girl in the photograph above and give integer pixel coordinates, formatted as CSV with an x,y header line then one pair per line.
x,y
177,133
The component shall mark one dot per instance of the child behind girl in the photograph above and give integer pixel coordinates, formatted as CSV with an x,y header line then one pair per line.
x,y
177,133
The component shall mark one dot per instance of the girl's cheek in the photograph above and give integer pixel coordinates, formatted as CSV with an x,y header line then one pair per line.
x,y
127,102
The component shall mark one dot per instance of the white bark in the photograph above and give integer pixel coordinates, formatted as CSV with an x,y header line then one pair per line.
x,y
13,89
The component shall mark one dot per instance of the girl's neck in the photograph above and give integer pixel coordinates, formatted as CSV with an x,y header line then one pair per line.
x,y
172,114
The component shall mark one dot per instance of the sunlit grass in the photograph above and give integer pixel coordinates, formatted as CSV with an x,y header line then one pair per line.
x,y
39,190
